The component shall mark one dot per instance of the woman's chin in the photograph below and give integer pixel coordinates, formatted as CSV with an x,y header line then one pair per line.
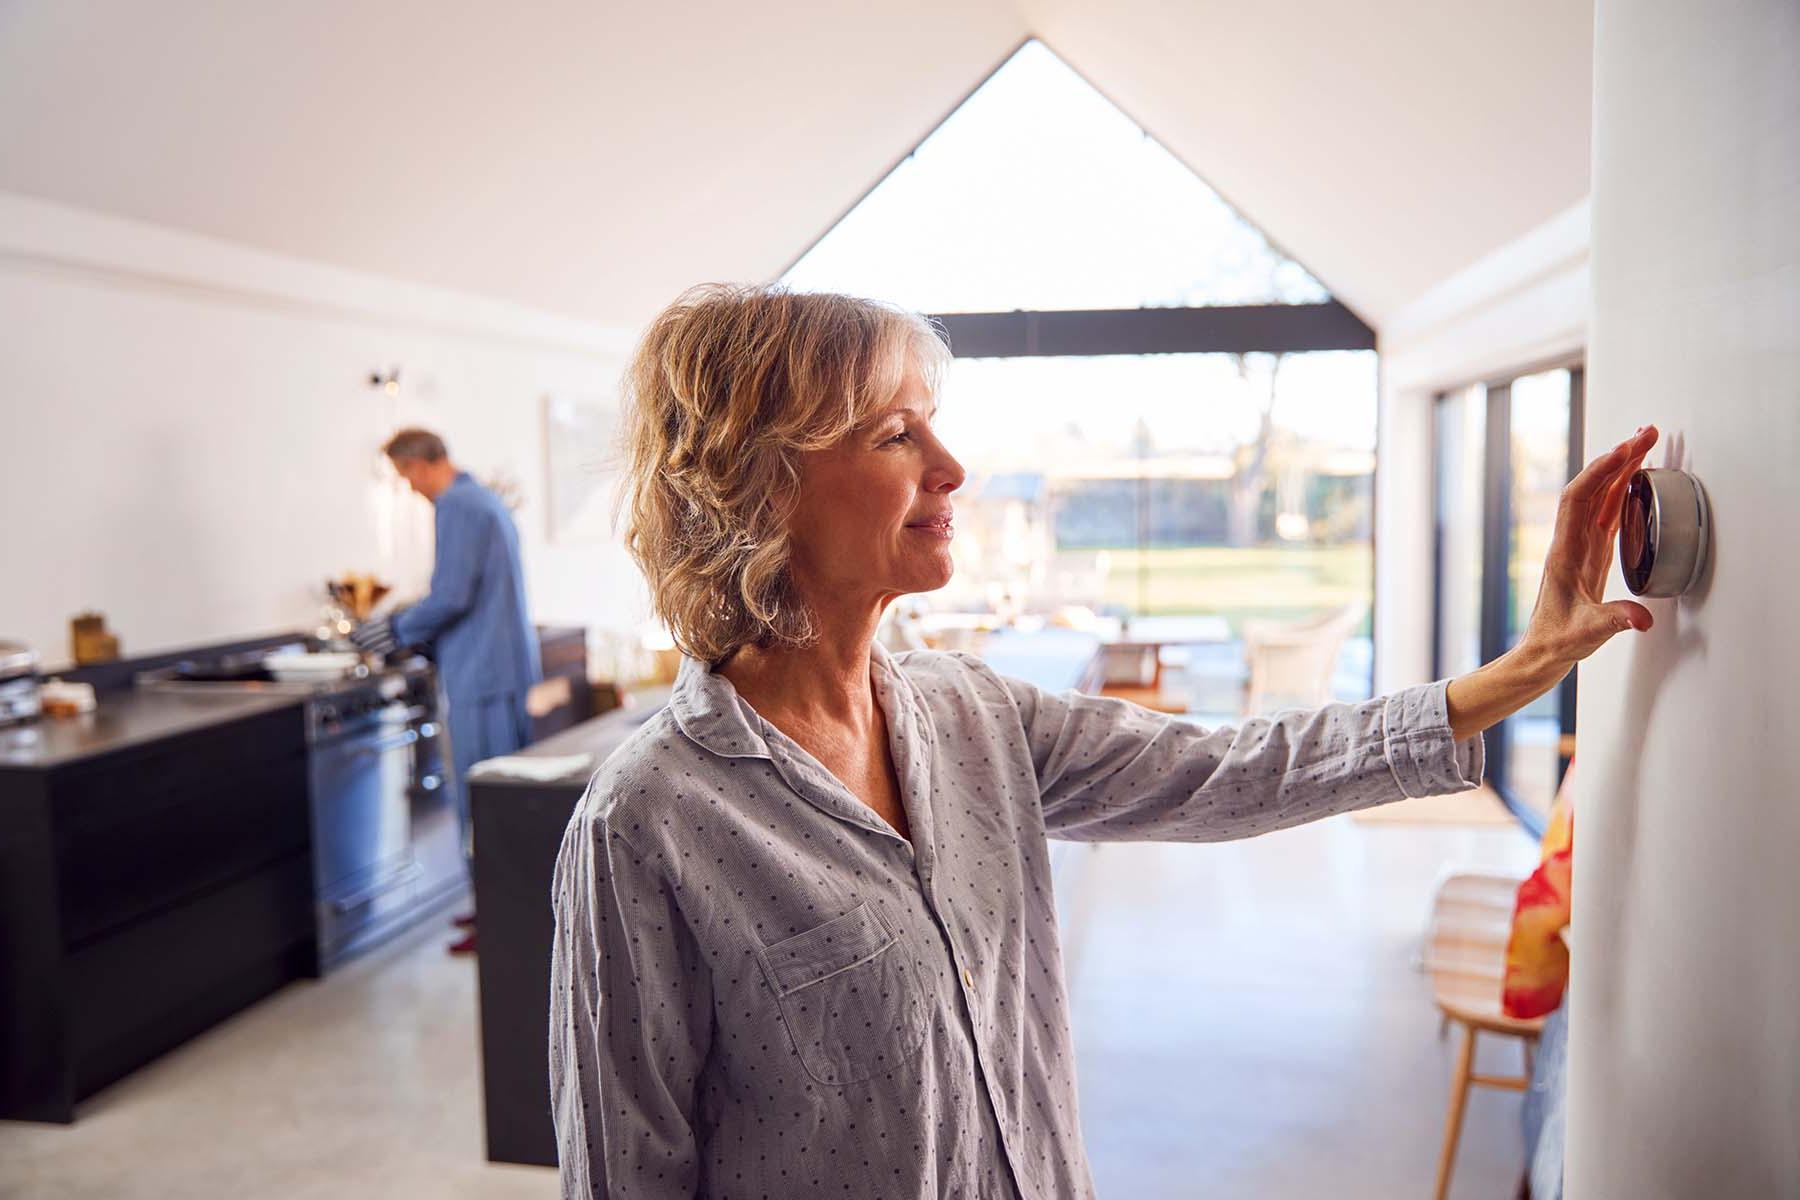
x,y
927,577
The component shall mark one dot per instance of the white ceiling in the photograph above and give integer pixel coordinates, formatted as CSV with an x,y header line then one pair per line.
x,y
593,159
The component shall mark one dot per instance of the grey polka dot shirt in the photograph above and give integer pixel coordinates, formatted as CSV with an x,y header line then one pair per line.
x,y
759,991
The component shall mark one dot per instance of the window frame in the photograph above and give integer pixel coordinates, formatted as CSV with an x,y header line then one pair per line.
x,y
1211,329
1495,585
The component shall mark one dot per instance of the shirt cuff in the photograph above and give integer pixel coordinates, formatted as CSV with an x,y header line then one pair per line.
x,y
1421,751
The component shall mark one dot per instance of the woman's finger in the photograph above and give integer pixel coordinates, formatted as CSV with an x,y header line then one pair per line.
x,y
1615,496
1594,477
1637,447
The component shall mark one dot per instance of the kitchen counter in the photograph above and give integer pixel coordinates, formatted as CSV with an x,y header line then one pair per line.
x,y
124,719
597,737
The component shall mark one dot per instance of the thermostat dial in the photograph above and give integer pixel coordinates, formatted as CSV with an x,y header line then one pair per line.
x,y
1665,531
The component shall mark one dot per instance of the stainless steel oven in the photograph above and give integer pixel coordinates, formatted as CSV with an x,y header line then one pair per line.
x,y
360,772
387,849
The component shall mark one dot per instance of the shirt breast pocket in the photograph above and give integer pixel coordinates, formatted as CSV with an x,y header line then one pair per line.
x,y
849,996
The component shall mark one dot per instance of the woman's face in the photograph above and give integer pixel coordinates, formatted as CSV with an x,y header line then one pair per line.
x,y
873,517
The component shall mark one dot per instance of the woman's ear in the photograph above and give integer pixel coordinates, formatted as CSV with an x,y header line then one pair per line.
x,y
789,485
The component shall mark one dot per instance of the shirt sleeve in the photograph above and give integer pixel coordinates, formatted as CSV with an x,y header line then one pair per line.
x,y
630,1023
455,574
1109,770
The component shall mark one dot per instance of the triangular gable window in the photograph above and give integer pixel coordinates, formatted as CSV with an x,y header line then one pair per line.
x,y
1037,193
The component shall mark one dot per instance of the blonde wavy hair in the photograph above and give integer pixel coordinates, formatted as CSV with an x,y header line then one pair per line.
x,y
729,387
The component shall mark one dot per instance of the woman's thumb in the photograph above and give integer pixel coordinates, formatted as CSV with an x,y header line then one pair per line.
x,y
1628,614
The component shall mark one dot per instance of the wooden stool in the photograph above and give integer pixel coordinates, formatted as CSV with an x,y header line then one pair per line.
x,y
1467,961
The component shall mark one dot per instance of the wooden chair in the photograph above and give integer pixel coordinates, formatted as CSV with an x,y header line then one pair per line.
x,y
1466,957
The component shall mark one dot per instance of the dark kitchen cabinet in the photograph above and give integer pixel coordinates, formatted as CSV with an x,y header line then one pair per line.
x,y
148,889
568,698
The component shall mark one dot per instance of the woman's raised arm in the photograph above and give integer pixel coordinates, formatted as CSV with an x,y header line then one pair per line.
x,y
1109,770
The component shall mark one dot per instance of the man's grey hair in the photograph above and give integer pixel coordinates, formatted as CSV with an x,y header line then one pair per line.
x,y
419,444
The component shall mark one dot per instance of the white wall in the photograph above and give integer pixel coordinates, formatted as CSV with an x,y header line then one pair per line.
x,y
1685,1017
1522,305
191,443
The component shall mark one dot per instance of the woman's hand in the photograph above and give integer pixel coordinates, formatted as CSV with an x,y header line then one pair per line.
x,y
1571,621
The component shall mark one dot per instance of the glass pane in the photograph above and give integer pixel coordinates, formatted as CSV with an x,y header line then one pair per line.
x,y
1038,193
1188,494
1462,447
1540,468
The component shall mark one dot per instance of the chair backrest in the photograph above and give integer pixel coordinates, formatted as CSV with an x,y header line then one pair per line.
x,y
1465,948
1291,663
1471,918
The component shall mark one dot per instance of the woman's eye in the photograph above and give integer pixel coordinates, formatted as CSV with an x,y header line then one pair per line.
x,y
898,437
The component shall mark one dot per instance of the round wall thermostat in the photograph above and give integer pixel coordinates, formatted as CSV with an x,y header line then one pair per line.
x,y
1665,529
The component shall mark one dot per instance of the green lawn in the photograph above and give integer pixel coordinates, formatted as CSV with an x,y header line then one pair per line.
x,y
1271,581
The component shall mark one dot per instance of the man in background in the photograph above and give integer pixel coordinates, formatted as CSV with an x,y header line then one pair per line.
x,y
473,621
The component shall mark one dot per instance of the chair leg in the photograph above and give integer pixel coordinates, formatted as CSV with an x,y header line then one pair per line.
x,y
1459,1095
1529,1044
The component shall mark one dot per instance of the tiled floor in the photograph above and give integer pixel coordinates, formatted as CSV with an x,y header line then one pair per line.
x,y
1248,1021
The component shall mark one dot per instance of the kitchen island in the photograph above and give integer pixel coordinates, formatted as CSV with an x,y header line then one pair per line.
x,y
155,877
518,828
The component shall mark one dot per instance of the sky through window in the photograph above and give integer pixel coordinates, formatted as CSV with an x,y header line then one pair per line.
x,y
1038,193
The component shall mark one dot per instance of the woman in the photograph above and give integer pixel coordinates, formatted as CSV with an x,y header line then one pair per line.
x,y
805,941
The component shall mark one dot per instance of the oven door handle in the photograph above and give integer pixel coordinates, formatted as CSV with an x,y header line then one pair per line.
x,y
398,741
404,874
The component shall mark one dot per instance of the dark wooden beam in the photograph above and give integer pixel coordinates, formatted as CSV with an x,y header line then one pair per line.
x,y
1228,329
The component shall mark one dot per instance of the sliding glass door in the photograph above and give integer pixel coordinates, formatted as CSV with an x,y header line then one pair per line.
x,y
1502,452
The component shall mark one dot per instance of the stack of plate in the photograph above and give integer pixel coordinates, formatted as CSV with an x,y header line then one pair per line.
x,y
310,668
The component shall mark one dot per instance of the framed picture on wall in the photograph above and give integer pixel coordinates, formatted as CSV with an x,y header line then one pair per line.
x,y
581,469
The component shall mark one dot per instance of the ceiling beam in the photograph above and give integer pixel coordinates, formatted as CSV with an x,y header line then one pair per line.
x,y
1217,329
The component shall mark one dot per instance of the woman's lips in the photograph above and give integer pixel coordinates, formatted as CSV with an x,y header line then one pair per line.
x,y
944,528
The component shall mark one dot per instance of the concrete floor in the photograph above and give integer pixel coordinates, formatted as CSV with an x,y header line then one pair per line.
x,y
1248,1022
364,1084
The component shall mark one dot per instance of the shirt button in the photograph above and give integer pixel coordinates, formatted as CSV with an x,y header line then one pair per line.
x,y
968,978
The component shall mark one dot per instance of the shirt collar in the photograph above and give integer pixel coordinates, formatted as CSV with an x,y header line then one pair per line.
x,y
711,713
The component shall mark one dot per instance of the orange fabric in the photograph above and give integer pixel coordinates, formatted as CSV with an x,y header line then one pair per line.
x,y
1537,959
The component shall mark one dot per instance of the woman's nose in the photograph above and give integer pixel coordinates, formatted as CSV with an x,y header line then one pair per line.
x,y
945,475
